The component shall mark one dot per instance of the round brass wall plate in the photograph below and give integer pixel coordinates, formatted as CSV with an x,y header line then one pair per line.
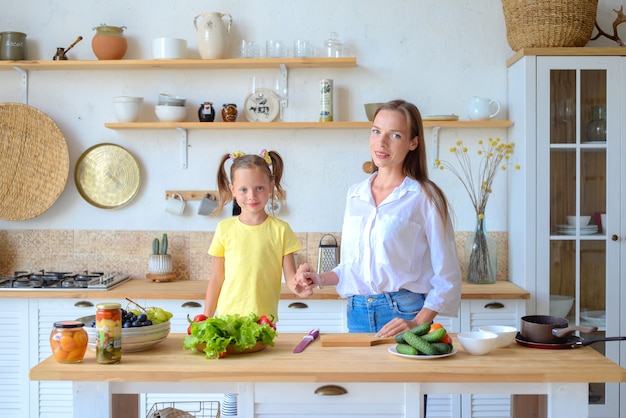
x,y
107,176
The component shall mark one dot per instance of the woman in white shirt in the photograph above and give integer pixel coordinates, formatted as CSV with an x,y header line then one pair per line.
x,y
399,266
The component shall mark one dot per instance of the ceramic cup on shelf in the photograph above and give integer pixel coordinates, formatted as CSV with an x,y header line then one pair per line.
x,y
175,204
480,108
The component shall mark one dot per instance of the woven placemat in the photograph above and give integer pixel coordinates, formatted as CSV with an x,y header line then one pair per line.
x,y
34,162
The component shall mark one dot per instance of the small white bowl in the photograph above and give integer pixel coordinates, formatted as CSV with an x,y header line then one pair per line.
x,y
560,305
170,113
127,108
506,335
584,220
171,100
477,343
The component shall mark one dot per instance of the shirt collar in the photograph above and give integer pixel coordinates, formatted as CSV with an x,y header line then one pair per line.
x,y
364,191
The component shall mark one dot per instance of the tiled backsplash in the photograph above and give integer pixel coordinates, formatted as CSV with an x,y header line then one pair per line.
x,y
129,251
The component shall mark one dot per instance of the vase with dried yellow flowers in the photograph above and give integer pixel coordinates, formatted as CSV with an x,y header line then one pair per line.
x,y
481,249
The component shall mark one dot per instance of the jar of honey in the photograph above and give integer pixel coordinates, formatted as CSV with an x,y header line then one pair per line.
x,y
68,341
108,333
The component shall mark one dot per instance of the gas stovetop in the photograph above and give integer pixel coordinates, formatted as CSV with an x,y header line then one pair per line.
x,y
44,280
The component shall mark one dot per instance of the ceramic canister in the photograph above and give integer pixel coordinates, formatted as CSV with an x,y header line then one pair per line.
x,y
12,46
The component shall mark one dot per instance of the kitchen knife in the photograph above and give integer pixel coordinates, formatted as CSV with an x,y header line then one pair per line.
x,y
306,340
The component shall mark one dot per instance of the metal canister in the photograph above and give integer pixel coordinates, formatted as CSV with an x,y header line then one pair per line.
x,y
326,100
108,333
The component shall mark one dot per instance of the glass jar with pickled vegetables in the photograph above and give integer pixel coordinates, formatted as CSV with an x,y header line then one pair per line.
x,y
108,333
68,341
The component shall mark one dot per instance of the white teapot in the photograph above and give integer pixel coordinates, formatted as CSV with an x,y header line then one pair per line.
x,y
212,34
482,109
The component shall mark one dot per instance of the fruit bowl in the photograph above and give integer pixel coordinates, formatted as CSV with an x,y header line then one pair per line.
x,y
133,339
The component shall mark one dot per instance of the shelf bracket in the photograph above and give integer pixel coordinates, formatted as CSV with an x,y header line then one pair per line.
x,y
24,83
184,146
435,144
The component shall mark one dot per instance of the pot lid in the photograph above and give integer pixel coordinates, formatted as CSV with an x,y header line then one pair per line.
x,y
107,176
34,162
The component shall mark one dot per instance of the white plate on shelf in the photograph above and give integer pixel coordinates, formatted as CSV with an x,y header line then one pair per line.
x,y
597,318
392,350
440,117
261,106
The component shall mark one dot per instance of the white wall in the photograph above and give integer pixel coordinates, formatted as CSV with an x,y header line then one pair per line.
x,y
435,54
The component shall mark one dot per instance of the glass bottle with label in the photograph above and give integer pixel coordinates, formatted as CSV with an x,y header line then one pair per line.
x,y
108,333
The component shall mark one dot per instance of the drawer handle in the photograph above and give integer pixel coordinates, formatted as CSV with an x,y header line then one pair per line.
x,y
330,390
494,305
191,304
298,305
83,304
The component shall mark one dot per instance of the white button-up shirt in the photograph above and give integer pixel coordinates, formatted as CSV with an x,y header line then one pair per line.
x,y
399,244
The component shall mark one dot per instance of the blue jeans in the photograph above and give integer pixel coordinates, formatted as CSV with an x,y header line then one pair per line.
x,y
370,313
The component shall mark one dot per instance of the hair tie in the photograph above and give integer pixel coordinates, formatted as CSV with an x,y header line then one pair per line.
x,y
235,155
266,156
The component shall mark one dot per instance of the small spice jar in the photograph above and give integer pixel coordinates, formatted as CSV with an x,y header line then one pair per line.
x,y
108,333
68,341
229,112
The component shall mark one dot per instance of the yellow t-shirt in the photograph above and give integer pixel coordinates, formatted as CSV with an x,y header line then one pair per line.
x,y
253,264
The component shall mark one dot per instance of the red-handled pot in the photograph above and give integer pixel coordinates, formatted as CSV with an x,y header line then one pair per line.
x,y
548,329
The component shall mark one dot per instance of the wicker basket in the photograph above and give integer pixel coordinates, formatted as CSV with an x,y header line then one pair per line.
x,y
549,23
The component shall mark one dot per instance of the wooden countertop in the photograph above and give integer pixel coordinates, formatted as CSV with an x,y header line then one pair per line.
x,y
168,362
196,290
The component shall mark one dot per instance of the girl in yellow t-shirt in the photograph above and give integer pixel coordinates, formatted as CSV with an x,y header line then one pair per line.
x,y
253,250
250,251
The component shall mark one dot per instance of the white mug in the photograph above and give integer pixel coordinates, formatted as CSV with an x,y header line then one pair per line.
x,y
175,204
169,48
482,109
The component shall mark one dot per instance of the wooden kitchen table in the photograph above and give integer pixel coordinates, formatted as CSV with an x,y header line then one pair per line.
x,y
561,374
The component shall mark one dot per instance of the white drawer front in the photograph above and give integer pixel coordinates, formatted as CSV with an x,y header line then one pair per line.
x,y
304,315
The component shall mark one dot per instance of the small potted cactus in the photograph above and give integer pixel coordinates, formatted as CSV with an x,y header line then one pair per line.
x,y
160,261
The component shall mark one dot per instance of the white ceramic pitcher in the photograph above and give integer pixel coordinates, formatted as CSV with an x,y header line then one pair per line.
x,y
212,34
482,109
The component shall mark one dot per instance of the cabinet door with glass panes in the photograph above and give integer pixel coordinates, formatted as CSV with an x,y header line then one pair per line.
x,y
579,166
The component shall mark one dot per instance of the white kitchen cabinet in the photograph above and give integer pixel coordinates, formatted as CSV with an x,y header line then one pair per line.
x,y
14,358
570,167
54,399
303,315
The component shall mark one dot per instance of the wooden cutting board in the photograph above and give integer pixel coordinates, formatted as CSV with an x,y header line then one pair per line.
x,y
353,340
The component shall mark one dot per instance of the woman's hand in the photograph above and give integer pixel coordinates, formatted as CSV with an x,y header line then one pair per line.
x,y
395,327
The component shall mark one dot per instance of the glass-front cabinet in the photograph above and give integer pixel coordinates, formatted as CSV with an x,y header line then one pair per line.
x,y
565,211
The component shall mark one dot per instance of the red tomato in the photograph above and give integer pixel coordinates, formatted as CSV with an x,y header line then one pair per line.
x,y
265,320
200,318
446,340
189,330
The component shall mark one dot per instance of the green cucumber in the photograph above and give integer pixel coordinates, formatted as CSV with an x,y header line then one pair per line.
x,y
420,329
406,349
435,336
418,342
400,339
442,348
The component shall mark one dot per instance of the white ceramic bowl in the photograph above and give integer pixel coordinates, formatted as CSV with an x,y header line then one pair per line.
x,y
133,339
171,100
127,108
477,343
584,220
170,113
506,335
169,48
560,305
